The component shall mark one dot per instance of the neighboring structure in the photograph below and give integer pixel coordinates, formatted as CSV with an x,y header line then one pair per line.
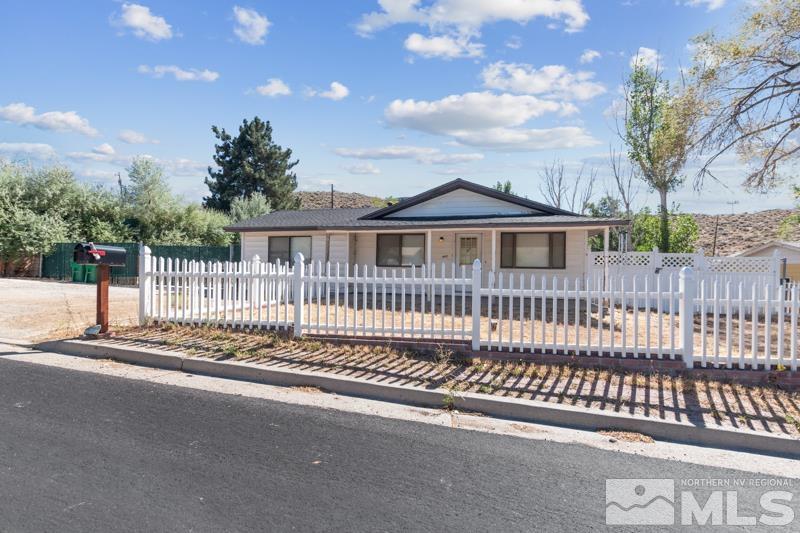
x,y
790,251
457,222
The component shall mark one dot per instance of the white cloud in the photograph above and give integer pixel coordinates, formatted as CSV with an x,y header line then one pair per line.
x,y
454,24
647,57
337,91
443,46
179,73
514,42
33,150
251,26
489,120
468,111
589,55
552,81
521,139
467,16
362,169
134,137
98,155
25,115
183,167
104,149
711,5
274,87
143,23
420,154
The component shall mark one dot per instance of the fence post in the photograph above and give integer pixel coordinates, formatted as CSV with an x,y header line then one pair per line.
x,y
297,293
145,279
476,304
686,288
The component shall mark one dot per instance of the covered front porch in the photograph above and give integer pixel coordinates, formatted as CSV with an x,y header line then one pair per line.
x,y
542,251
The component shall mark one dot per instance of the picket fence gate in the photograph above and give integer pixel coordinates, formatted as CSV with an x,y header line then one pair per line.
x,y
709,321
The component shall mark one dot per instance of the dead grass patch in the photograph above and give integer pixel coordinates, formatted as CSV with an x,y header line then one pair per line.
x,y
626,436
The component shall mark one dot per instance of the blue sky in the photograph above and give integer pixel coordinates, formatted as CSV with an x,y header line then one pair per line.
x,y
385,98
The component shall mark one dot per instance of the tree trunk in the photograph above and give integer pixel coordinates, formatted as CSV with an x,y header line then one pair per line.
x,y
663,214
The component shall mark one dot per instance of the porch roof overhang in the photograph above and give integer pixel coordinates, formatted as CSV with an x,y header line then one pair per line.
x,y
351,220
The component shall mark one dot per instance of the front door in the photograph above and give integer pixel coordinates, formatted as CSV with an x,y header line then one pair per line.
x,y
468,249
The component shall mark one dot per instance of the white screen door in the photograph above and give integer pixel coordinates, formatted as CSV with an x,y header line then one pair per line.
x,y
468,249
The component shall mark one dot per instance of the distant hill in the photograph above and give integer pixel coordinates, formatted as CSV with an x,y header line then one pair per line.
x,y
322,199
742,230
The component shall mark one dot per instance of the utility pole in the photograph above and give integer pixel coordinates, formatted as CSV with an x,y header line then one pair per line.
x,y
331,195
714,245
732,203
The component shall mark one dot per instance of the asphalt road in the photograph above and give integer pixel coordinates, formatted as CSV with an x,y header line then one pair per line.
x,y
87,452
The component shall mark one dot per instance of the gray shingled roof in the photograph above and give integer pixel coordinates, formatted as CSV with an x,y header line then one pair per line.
x,y
350,218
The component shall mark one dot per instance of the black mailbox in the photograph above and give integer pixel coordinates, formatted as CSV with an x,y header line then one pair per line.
x,y
87,253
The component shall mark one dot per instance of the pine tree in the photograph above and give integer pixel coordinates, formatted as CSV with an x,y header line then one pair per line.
x,y
251,163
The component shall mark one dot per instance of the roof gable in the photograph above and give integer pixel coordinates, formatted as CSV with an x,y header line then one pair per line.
x,y
461,198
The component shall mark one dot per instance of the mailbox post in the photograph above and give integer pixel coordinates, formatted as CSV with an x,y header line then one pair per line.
x,y
104,257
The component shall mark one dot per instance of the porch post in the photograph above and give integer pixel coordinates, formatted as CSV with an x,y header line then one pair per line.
x,y
605,256
429,249
494,250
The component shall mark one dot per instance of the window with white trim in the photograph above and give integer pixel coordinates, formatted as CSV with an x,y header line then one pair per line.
x,y
400,249
285,248
533,250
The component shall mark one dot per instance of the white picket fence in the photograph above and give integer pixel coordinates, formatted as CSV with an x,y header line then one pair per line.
x,y
712,320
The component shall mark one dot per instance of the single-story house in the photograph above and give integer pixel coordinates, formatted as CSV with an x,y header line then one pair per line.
x,y
457,222
790,251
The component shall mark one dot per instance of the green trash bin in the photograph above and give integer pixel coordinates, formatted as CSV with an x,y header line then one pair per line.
x,y
78,273
90,273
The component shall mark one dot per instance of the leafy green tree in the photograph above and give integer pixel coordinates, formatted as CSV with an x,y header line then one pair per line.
x,y
250,207
504,186
659,125
750,84
646,233
791,224
156,216
251,163
607,207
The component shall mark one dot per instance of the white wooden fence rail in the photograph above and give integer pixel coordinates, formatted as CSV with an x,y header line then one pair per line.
x,y
711,320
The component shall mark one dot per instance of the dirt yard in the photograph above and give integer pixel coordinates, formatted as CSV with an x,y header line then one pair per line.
x,y
33,310
679,398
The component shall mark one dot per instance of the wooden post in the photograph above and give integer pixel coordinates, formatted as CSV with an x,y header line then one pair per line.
x,y
103,277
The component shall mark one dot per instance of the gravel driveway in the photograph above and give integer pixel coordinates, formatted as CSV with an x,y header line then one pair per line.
x,y
33,309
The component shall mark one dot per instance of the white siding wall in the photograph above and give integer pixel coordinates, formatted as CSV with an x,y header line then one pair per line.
x,y
462,202
444,250
254,244
792,256
339,248
361,248
318,247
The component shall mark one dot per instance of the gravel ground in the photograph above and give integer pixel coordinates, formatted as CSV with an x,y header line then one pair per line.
x,y
33,309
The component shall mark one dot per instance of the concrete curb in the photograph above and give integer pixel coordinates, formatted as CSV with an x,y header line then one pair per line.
x,y
507,408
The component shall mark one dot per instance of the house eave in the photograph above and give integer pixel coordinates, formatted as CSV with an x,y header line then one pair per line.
x,y
454,224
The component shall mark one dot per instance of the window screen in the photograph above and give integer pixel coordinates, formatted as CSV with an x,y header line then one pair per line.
x,y
533,250
396,250
285,248
467,250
